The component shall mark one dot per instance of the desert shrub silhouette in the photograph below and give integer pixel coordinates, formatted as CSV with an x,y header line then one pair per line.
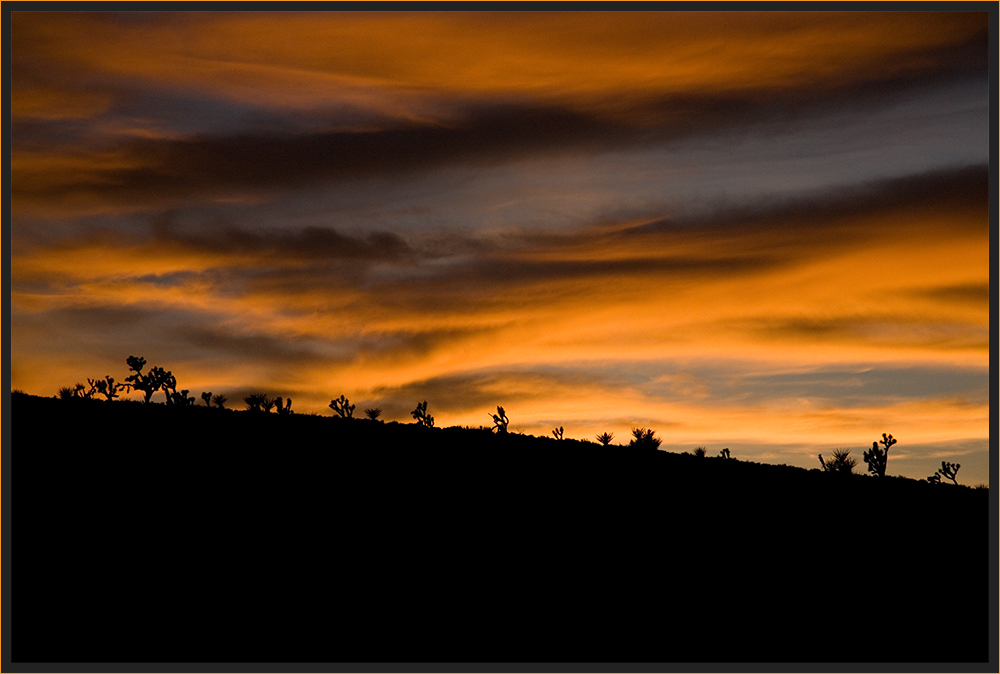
x,y
878,457
181,398
605,438
420,414
343,407
841,462
373,413
74,392
500,420
220,400
255,401
558,433
701,452
283,406
643,438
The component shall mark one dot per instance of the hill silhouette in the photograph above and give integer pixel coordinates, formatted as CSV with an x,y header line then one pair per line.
x,y
148,533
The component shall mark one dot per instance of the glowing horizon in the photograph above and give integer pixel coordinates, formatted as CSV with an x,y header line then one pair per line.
x,y
761,231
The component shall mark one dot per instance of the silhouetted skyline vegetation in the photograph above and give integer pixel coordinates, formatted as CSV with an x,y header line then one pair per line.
x,y
842,462
605,438
877,457
422,416
158,379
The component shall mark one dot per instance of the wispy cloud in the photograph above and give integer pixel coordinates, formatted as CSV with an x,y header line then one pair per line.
x,y
732,227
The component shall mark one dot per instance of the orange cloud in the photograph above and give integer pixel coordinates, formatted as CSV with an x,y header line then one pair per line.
x,y
594,327
765,293
391,61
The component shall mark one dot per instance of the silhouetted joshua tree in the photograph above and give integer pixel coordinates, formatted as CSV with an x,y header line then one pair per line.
x,y
175,397
148,383
558,432
207,397
169,385
343,407
420,414
725,453
500,420
841,462
949,470
644,439
255,401
878,457
286,409
935,478
219,400
373,413
605,438
106,387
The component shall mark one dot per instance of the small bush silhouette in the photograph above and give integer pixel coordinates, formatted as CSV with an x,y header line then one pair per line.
x,y
268,404
219,400
420,414
558,433
343,407
605,438
500,420
643,438
841,462
74,392
725,453
373,413
255,401
182,398
701,452
878,457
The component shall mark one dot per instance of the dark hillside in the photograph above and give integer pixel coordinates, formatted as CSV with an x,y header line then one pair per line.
x,y
149,533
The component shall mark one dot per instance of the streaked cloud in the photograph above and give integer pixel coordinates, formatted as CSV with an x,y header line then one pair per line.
x,y
764,230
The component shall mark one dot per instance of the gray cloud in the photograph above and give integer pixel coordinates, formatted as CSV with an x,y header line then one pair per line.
x,y
885,328
262,155
970,293
203,341
512,389
308,243
821,216
469,272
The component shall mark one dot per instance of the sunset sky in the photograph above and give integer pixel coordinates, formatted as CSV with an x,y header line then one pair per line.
x,y
761,231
